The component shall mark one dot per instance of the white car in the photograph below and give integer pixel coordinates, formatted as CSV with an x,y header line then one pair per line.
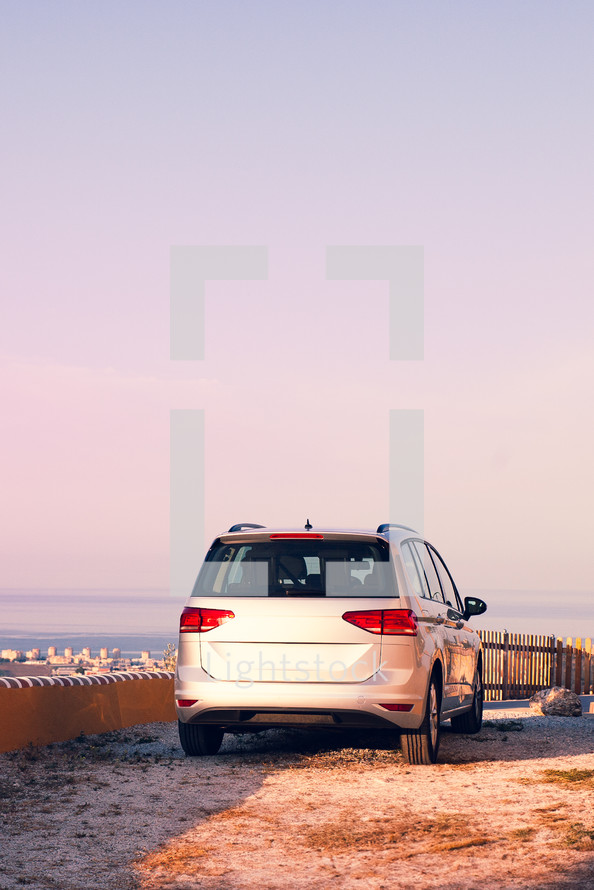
x,y
326,627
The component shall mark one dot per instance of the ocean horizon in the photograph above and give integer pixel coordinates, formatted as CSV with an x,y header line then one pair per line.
x,y
128,619
133,620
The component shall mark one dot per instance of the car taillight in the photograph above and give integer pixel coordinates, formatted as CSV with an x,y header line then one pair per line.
x,y
385,621
194,621
186,702
295,535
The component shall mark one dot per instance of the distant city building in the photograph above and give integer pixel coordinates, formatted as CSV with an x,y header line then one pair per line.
x,y
116,653
59,659
34,654
145,655
68,651
51,650
86,651
12,654
103,652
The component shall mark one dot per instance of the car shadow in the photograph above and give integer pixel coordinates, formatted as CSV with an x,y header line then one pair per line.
x,y
581,875
501,739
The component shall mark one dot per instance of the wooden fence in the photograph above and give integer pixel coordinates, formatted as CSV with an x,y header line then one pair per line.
x,y
518,665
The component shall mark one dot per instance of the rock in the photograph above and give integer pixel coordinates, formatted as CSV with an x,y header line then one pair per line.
x,y
556,702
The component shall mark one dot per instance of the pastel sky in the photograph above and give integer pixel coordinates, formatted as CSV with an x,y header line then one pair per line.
x,y
462,127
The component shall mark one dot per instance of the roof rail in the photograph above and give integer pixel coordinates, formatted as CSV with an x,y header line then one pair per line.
x,y
241,525
386,526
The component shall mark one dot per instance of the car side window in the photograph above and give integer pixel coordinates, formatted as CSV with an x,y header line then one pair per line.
x,y
436,592
449,589
414,571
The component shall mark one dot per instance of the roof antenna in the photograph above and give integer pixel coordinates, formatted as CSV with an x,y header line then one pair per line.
x,y
308,525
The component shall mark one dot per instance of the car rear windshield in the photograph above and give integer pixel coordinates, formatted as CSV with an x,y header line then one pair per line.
x,y
298,568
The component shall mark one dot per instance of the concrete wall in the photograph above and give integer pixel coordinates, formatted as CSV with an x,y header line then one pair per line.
x,y
42,710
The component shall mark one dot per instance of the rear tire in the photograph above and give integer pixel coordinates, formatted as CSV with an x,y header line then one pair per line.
x,y
199,740
420,746
472,721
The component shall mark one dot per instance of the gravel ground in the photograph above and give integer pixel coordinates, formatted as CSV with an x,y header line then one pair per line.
x,y
511,807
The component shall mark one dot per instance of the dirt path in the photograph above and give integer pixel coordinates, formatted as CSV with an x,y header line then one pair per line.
x,y
511,807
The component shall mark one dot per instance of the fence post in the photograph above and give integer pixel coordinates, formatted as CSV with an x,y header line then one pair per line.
x,y
577,688
505,664
552,646
559,663
568,661
588,668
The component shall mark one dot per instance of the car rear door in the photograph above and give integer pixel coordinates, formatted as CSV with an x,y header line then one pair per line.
x,y
288,596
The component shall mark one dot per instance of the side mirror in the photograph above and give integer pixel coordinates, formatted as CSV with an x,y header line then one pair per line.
x,y
473,606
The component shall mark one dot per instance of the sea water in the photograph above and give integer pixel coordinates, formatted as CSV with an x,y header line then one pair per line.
x,y
133,620
560,613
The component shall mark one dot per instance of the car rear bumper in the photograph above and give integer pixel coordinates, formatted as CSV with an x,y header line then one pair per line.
x,y
240,707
